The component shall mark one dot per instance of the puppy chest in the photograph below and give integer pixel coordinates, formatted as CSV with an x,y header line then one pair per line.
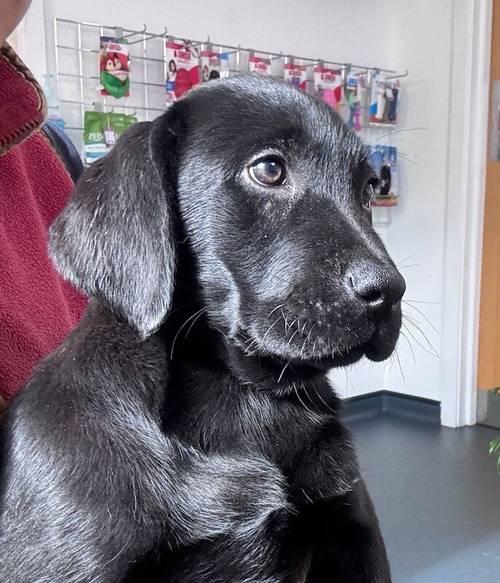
x,y
233,422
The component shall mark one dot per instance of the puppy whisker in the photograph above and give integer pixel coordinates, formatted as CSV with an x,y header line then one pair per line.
x,y
181,328
399,364
408,158
274,310
283,372
430,349
402,131
306,341
321,398
269,330
410,319
300,399
403,335
285,321
200,314
421,302
291,337
422,314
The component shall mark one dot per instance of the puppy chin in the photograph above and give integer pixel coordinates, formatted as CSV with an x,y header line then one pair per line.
x,y
383,343
378,353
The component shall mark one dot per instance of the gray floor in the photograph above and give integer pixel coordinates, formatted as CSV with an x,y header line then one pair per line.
x,y
437,494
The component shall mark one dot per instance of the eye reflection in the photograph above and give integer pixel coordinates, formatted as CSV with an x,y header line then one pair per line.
x,y
268,171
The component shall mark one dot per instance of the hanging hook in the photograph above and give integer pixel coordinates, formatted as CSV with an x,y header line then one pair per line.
x,y
275,56
133,33
400,75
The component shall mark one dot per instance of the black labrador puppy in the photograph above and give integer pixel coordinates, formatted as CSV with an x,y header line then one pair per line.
x,y
185,431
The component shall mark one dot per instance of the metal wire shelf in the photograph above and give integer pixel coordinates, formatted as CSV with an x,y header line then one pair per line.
x,y
76,69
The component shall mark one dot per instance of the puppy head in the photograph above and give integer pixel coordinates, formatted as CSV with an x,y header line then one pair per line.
x,y
273,192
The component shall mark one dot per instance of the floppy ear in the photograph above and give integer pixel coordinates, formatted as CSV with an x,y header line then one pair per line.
x,y
115,239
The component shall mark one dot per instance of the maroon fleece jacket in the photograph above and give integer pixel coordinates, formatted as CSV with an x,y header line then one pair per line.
x,y
37,308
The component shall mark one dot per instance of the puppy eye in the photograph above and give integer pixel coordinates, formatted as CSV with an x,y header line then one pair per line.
x,y
268,171
369,192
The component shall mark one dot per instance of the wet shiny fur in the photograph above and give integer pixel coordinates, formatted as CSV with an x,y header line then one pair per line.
x,y
185,431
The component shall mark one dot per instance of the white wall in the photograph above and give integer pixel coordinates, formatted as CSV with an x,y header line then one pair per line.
x,y
312,27
29,39
399,34
421,40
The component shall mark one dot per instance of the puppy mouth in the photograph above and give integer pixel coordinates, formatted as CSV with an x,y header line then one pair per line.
x,y
334,348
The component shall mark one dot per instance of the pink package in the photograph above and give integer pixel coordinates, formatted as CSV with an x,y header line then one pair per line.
x,y
296,75
328,85
183,71
259,65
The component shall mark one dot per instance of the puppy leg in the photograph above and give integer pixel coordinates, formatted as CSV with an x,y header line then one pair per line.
x,y
84,498
341,521
348,544
249,557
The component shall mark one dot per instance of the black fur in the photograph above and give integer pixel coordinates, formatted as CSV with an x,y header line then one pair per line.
x,y
185,431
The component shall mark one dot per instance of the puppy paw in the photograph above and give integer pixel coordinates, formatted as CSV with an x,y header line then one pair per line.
x,y
234,495
254,490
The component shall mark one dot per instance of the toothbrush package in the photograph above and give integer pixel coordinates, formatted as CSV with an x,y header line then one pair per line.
x,y
384,101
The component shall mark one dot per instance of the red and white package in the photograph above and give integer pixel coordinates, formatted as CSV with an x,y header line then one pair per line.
x,y
183,70
259,65
296,75
210,65
328,85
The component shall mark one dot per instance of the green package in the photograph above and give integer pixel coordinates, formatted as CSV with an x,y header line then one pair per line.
x,y
101,130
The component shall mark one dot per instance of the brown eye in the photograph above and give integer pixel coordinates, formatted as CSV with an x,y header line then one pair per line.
x,y
268,171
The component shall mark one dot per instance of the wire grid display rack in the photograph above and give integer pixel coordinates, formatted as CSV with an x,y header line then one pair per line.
x,y
77,70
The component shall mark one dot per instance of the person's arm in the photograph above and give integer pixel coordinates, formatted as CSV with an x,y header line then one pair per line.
x,y
12,12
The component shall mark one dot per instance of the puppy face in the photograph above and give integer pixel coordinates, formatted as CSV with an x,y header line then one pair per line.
x,y
274,193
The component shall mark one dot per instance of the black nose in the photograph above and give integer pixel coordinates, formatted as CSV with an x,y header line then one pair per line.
x,y
377,285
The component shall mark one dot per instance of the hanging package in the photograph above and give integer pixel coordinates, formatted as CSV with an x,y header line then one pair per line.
x,y
354,95
296,75
328,85
183,70
225,65
384,160
114,67
384,101
259,65
210,64
101,130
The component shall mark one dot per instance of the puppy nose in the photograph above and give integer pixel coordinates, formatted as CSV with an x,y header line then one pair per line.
x,y
378,286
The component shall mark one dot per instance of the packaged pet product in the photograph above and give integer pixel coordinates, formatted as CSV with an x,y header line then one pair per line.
x,y
296,75
183,70
225,64
101,130
210,64
114,67
384,160
328,85
354,91
259,65
384,101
